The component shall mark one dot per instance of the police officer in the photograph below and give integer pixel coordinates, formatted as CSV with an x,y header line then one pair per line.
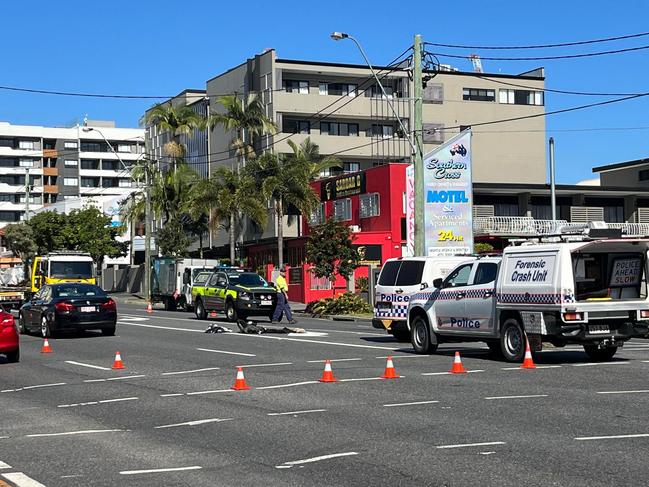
x,y
282,299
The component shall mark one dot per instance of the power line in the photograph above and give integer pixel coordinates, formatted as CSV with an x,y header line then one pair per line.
x,y
541,46
550,90
546,58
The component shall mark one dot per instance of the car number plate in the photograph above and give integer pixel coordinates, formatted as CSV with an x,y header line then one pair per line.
x,y
88,309
383,305
265,302
598,329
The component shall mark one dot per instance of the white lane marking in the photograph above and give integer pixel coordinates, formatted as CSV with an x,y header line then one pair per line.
x,y
361,379
190,371
126,377
353,332
67,433
515,397
612,437
289,385
91,403
95,380
298,412
226,352
316,459
404,356
409,404
645,361
21,480
44,385
538,367
72,362
487,452
160,327
333,360
451,373
133,318
194,423
208,392
4,465
159,470
592,364
308,334
176,394
266,365
468,445
639,391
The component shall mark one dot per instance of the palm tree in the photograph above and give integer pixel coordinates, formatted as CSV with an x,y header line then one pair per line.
x,y
307,154
247,118
227,197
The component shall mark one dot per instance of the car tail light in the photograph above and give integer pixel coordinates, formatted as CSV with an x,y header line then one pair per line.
x,y
64,307
7,321
110,305
572,316
644,313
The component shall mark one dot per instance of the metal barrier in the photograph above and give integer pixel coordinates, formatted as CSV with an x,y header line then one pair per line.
x,y
516,225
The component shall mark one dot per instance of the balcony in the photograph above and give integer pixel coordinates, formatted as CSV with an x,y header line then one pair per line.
x,y
522,226
50,153
360,146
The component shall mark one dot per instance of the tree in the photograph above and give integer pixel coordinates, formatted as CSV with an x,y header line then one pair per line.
x,y
20,238
172,239
329,250
307,155
47,227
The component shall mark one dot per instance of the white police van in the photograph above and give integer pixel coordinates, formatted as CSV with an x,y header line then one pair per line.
x,y
399,279
587,291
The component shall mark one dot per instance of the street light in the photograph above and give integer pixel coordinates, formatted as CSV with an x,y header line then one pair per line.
x,y
337,36
147,216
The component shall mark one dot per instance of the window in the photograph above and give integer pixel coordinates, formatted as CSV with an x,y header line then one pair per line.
x,y
339,128
89,164
124,183
26,144
7,198
70,145
643,175
521,97
383,131
88,146
459,277
70,181
296,127
349,167
389,273
338,89
433,133
410,272
369,205
485,273
71,163
343,210
69,269
109,183
295,86
110,165
123,148
374,91
26,163
89,182
7,143
318,216
476,94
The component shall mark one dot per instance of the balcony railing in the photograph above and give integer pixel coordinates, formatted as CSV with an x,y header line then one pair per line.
x,y
523,226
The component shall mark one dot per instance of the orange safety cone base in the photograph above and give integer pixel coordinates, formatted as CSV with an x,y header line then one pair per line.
x,y
46,347
118,364
240,381
457,368
528,362
390,372
149,308
328,374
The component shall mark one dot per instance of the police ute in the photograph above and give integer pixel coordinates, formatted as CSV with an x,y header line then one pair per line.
x,y
587,288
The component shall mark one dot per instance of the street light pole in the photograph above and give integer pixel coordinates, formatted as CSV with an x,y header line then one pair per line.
x,y
26,194
420,229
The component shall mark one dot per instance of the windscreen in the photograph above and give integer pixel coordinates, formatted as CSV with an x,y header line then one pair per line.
x,y
389,273
77,291
201,278
70,270
410,272
247,279
608,276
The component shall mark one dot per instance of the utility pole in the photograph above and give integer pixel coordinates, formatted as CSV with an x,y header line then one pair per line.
x,y
418,133
26,194
147,232
553,190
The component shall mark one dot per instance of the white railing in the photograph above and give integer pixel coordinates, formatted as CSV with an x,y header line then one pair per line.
x,y
516,225
632,229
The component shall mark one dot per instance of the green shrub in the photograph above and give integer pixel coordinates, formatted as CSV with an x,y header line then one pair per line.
x,y
482,247
362,285
345,304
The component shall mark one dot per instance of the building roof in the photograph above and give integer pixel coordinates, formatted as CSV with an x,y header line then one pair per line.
x,y
513,188
621,165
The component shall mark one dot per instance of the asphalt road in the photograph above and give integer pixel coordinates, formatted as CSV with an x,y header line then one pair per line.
x,y
170,418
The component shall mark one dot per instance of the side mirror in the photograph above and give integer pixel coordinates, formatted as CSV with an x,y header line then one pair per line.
x,y
438,283
423,285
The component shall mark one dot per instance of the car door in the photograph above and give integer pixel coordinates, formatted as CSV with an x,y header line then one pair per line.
x,y
449,307
38,304
210,292
28,311
221,288
480,299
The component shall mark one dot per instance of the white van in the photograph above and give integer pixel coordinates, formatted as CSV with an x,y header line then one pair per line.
x,y
400,279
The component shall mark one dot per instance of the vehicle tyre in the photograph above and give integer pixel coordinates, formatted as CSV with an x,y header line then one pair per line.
x,y
22,326
230,312
512,340
13,357
201,314
494,348
170,304
401,335
109,332
420,336
599,354
45,328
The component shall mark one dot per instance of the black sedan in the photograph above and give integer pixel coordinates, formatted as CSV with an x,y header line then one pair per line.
x,y
68,307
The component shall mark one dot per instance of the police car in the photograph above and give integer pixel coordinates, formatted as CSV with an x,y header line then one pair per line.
x,y
400,279
566,290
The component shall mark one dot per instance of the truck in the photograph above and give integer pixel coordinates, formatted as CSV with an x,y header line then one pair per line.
x,y
585,290
173,280
52,268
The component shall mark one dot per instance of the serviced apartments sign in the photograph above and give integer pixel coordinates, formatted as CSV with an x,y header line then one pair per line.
x,y
448,198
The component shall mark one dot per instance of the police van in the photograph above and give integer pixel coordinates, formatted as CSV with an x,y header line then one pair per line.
x,y
567,290
399,279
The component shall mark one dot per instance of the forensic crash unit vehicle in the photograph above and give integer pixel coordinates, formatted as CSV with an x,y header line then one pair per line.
x,y
578,290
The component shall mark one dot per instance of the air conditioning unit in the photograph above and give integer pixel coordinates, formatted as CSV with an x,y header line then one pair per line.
x,y
355,228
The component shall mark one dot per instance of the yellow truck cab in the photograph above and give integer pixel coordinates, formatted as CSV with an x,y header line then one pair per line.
x,y
58,267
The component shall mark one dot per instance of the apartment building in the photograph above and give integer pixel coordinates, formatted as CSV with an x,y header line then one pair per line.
x,y
53,164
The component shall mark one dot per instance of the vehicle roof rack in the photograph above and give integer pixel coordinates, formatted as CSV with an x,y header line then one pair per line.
x,y
68,252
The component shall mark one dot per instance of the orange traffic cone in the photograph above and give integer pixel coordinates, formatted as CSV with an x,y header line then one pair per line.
x,y
118,364
390,372
240,382
458,368
149,308
528,363
213,314
328,374
46,347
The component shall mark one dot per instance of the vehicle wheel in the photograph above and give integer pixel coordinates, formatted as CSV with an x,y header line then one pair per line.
x,y
13,357
108,332
170,304
512,341
494,348
201,314
45,328
401,335
420,336
22,326
599,354
230,312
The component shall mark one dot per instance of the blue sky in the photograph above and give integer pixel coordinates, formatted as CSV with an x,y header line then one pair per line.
x,y
160,48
